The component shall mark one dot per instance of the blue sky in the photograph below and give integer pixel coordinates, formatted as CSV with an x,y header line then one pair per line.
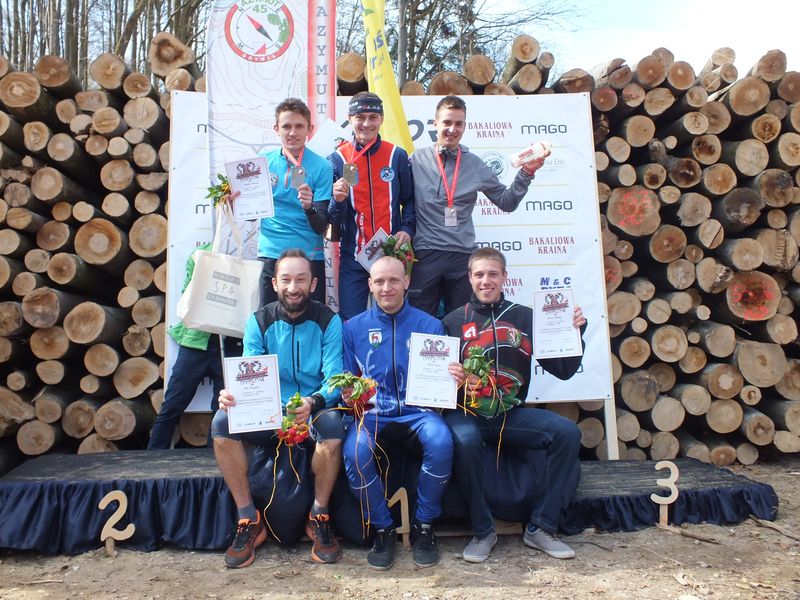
x,y
631,30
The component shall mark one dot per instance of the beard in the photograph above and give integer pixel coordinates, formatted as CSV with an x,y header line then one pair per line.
x,y
295,305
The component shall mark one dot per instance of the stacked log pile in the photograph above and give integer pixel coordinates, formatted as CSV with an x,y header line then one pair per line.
x,y
82,254
699,193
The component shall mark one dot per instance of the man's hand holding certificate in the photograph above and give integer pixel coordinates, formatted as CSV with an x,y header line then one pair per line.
x,y
250,178
430,380
556,324
253,394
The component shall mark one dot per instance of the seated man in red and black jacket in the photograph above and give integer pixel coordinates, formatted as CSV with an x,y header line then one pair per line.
x,y
504,330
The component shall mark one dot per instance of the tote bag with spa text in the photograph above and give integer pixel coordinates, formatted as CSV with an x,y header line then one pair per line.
x,y
223,291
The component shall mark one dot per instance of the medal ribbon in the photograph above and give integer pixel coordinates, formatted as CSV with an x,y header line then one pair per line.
x,y
355,156
450,192
293,161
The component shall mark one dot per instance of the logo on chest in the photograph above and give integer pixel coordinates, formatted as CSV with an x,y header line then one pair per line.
x,y
375,337
387,174
469,331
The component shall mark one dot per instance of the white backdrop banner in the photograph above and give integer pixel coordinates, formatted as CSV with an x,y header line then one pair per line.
x,y
552,240
189,213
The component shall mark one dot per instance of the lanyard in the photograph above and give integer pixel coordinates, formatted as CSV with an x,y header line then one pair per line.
x,y
355,156
449,191
291,160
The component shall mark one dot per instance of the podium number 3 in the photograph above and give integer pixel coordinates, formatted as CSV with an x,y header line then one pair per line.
x,y
669,483
109,534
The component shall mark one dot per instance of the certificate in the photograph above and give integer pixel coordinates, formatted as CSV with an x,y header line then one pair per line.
x,y
373,250
553,332
429,382
250,177
255,385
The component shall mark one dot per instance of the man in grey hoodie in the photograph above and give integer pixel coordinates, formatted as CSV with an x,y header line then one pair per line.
x,y
447,179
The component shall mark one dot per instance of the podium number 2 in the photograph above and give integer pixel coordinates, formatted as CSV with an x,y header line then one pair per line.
x,y
108,533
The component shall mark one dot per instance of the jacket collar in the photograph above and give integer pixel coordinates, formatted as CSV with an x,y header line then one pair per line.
x,y
450,153
481,307
373,149
380,314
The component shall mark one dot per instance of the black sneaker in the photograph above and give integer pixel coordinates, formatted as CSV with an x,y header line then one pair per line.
x,y
324,547
381,557
423,545
249,536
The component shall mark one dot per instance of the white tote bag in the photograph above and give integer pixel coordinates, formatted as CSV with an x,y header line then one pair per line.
x,y
223,291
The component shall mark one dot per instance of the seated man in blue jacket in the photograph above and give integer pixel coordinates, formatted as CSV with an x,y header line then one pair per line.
x,y
376,345
307,337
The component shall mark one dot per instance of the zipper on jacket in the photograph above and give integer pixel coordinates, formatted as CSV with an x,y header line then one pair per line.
x,y
394,366
295,360
496,360
371,200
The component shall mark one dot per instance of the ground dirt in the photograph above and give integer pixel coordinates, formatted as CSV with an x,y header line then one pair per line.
x,y
751,561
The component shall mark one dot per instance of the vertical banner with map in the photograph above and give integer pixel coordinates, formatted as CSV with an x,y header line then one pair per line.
x,y
260,52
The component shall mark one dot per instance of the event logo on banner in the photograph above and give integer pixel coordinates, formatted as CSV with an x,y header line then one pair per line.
x,y
552,240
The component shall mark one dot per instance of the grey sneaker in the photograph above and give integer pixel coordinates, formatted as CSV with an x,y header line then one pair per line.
x,y
479,549
547,543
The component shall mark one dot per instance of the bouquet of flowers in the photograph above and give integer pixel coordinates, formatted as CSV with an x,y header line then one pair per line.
x,y
481,367
292,433
402,252
216,192
364,389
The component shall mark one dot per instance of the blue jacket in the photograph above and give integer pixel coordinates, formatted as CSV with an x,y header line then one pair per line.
x,y
309,349
377,345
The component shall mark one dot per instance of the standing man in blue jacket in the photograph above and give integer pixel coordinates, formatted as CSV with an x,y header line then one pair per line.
x,y
300,207
372,190
376,345
307,337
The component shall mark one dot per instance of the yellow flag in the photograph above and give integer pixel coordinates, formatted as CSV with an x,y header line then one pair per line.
x,y
381,77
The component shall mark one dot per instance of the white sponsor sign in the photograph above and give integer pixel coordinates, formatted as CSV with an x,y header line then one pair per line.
x,y
552,240
189,214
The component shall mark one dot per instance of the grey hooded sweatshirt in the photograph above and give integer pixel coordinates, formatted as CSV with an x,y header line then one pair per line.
x,y
431,199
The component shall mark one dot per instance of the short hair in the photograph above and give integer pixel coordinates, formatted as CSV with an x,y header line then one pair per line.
x,y
453,102
292,253
294,105
487,253
389,259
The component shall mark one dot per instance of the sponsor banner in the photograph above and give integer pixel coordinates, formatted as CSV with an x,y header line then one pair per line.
x,y
189,213
552,240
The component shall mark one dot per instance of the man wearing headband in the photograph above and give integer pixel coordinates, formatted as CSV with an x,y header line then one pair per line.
x,y
301,190
372,190
447,179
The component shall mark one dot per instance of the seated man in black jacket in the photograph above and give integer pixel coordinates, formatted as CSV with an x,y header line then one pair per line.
x,y
504,330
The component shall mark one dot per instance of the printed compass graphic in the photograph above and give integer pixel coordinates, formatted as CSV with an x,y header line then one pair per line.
x,y
259,31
